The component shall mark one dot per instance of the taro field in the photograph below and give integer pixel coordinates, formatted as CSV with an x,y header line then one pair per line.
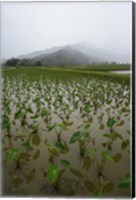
x,y
65,133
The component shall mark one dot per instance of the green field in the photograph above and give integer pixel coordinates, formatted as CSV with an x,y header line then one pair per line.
x,y
99,67
66,131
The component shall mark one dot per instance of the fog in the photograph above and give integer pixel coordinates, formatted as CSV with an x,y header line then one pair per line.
x,y
28,27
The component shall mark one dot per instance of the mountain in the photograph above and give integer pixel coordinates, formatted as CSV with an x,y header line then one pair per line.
x,y
82,53
41,52
102,54
65,56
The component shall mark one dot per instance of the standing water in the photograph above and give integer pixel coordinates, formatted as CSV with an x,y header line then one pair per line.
x,y
65,134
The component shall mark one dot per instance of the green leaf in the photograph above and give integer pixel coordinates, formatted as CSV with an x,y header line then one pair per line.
x,y
125,182
107,156
51,127
113,136
29,110
61,172
76,136
96,193
5,122
107,135
101,127
117,157
37,100
125,144
76,172
31,175
52,173
90,186
34,128
51,149
121,123
18,114
63,147
87,163
111,122
108,187
44,112
27,146
66,163
13,153
44,172
60,145
118,136
36,155
91,151
35,116
36,139
63,125
87,126
25,156
86,109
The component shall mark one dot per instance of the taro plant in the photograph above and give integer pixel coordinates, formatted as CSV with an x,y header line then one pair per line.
x,y
83,139
34,135
80,116
53,175
101,187
125,182
53,152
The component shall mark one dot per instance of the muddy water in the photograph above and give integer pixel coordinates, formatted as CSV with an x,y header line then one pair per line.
x,y
70,184
122,71
111,171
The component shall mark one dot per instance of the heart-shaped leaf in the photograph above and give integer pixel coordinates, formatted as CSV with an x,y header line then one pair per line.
x,y
52,173
117,157
90,186
36,139
107,188
125,144
87,163
75,137
121,123
107,156
13,153
60,145
25,156
19,114
36,155
111,122
87,126
31,175
66,163
76,172
125,182
51,149
27,145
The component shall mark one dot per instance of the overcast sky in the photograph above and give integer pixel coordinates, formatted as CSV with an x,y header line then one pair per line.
x,y
28,27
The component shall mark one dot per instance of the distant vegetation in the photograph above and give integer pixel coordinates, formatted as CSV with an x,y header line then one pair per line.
x,y
101,66
21,62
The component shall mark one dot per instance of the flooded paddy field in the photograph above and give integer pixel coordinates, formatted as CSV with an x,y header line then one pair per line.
x,y
65,133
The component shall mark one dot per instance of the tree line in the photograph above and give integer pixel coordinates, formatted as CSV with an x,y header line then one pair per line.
x,y
22,62
16,62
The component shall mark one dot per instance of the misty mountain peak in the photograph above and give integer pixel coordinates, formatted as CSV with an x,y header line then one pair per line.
x,y
83,49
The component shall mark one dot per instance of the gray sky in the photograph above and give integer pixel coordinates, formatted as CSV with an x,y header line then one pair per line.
x,y
28,27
